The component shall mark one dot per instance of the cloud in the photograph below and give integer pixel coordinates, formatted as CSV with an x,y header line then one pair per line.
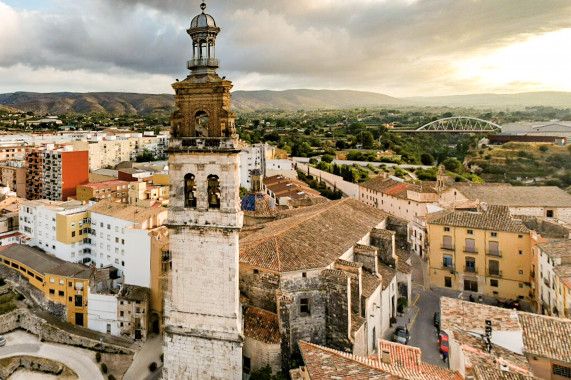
x,y
400,47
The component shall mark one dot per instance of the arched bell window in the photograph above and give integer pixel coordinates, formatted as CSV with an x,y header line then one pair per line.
x,y
201,124
213,191
189,191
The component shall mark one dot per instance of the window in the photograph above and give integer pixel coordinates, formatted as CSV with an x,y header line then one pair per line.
x,y
447,242
470,265
116,240
549,213
447,261
52,291
116,228
303,274
256,271
494,268
70,284
520,236
470,232
446,229
52,280
520,285
60,293
470,246
448,282
494,234
494,283
73,224
72,233
494,248
247,365
521,271
61,282
70,299
470,285
121,313
304,306
108,226
520,252
123,241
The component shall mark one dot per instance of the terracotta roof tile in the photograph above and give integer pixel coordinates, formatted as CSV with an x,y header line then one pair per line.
x,y
489,373
513,196
311,237
261,325
548,337
370,283
496,218
387,273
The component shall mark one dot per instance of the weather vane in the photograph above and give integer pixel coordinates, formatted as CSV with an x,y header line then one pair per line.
x,y
203,6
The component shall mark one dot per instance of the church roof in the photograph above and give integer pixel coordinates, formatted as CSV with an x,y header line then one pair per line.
x,y
311,237
258,205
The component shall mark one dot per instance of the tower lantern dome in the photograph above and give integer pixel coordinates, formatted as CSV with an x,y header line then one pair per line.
x,y
203,31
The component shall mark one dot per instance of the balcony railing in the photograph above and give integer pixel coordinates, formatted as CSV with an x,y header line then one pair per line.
x,y
203,62
494,253
204,143
448,267
471,250
494,273
447,247
470,269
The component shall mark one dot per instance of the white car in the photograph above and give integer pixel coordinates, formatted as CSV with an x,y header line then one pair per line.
x,y
2,341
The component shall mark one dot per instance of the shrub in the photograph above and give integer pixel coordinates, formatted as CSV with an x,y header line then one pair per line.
x,y
103,367
543,148
98,357
327,158
153,367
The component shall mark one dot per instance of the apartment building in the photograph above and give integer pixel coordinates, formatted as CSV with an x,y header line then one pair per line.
x,y
113,224
13,175
12,153
59,228
55,173
104,153
115,190
555,277
485,252
254,157
541,201
63,172
145,195
60,282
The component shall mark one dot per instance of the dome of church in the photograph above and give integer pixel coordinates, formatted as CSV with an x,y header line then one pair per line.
x,y
203,20
259,205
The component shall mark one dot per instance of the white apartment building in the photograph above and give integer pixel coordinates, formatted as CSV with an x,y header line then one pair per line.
x,y
59,228
554,268
252,157
112,226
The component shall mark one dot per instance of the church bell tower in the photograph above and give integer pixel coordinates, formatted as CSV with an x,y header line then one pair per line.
x,y
203,324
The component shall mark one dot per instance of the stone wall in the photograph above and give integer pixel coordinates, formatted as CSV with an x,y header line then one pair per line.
x,y
11,365
262,354
25,320
37,295
348,188
384,241
399,226
260,287
338,310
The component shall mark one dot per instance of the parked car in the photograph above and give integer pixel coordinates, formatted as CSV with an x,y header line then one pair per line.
x,y
401,335
437,320
443,342
2,341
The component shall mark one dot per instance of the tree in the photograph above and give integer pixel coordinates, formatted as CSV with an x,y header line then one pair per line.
x,y
426,159
340,144
327,158
367,139
265,373
146,156
354,128
452,164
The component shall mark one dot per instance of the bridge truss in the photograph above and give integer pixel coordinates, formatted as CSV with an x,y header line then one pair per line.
x,y
461,124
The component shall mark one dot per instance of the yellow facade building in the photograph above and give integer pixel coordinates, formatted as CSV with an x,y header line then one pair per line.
x,y
485,252
61,282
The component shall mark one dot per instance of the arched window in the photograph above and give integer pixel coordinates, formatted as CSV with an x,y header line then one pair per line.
x,y
213,191
201,124
189,191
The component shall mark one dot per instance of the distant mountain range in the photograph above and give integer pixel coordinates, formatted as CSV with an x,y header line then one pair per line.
x,y
248,101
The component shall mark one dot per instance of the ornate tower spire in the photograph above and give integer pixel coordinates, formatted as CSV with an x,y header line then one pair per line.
x,y
203,327
203,31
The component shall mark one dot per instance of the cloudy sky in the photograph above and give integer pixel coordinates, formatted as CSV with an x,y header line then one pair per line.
x,y
396,47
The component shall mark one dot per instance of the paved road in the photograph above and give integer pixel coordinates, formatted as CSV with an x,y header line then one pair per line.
x,y
424,334
150,352
80,364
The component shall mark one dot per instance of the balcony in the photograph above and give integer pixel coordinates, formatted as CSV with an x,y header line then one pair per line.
x,y
494,273
471,250
470,269
448,267
447,247
494,253
203,62
204,143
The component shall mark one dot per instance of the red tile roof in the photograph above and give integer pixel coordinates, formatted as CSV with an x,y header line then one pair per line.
x,y
311,237
261,325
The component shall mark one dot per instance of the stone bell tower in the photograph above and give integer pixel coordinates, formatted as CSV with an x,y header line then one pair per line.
x,y
203,323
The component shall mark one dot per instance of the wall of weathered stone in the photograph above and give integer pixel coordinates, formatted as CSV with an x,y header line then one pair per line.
x,y
338,310
25,320
36,294
260,288
384,241
262,354
48,366
399,226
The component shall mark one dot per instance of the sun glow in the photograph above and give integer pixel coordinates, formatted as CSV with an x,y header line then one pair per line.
x,y
538,63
